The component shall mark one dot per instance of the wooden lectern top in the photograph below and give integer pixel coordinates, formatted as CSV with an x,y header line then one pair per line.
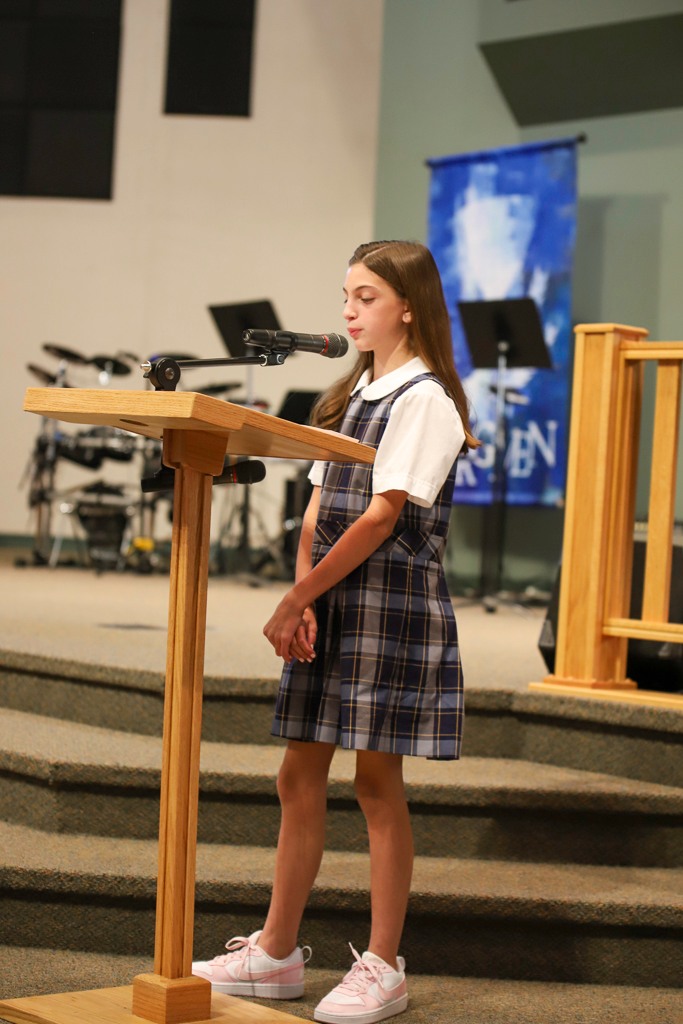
x,y
246,431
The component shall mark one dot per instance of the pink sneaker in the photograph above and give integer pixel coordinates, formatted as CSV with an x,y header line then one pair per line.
x,y
247,970
371,991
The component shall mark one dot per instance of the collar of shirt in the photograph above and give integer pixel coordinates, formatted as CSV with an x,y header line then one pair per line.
x,y
383,386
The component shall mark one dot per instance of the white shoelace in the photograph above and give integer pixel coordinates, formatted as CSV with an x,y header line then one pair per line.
x,y
361,976
241,946
238,948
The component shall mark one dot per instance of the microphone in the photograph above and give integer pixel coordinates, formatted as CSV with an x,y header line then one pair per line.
x,y
331,345
247,471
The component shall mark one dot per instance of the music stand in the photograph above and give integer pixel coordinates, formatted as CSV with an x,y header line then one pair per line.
x,y
231,321
501,334
297,405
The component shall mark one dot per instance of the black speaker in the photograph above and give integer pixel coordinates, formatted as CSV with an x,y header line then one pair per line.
x,y
652,664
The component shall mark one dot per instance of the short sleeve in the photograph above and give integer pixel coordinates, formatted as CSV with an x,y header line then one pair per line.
x,y
316,473
421,442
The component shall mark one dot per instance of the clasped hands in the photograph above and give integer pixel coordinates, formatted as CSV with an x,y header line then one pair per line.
x,y
292,629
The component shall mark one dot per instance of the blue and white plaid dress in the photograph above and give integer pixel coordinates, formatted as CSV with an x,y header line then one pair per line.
x,y
387,672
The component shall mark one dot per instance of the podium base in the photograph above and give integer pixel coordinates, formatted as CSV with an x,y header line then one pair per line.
x,y
651,698
114,1006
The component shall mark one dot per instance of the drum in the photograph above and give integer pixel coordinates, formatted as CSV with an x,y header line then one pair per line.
x,y
104,523
80,449
114,444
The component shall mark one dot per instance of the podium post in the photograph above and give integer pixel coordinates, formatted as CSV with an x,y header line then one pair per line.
x,y
171,993
197,432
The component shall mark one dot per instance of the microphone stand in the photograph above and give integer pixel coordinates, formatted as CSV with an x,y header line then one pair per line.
x,y
164,373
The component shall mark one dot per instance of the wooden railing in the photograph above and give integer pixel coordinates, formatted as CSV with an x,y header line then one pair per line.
x,y
595,592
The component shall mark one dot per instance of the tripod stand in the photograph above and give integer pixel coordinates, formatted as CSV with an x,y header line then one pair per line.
x,y
501,334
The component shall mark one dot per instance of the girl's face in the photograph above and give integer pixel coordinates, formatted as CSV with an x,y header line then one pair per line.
x,y
377,318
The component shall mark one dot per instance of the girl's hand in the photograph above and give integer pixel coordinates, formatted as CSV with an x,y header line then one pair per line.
x,y
290,623
303,643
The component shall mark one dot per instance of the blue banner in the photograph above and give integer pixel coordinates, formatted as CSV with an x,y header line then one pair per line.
x,y
502,225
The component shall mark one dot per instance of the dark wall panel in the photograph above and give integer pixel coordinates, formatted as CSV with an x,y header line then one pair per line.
x,y
624,68
59,64
209,58
70,153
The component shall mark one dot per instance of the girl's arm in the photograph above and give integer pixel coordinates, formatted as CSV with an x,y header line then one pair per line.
x,y
307,630
358,542
304,559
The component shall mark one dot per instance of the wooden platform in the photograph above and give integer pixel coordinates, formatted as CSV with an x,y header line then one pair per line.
x,y
113,1006
149,413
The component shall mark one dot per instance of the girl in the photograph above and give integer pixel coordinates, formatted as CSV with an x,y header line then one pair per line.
x,y
367,631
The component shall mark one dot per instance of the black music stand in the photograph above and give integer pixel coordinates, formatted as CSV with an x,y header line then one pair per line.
x,y
232,320
501,334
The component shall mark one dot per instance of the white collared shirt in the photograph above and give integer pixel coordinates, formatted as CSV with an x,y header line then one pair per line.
x,y
421,440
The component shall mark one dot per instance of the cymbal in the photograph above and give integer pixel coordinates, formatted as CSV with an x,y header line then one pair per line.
x,y
171,355
43,376
111,365
219,389
69,354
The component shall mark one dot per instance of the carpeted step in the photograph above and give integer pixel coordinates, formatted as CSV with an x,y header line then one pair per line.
x,y
433,1000
588,924
64,777
636,742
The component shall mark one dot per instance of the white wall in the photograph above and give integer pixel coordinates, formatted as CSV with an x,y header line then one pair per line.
x,y
205,210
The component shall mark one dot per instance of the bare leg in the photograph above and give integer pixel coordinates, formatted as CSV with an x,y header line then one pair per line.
x,y
302,788
381,795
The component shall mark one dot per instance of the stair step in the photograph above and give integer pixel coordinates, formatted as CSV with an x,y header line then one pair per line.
x,y
438,1000
619,739
67,777
489,917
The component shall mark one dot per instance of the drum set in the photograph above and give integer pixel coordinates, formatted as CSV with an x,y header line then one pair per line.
x,y
114,524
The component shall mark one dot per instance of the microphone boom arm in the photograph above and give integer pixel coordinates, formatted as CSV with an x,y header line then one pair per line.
x,y
164,373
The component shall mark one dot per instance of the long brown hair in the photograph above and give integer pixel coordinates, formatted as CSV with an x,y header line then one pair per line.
x,y
410,269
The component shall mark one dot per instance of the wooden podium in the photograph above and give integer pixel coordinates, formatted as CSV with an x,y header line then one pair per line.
x,y
197,433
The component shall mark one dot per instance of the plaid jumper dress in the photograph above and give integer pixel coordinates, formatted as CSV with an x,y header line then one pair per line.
x,y
387,673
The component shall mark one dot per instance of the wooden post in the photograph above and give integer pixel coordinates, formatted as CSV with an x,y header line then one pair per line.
x,y
599,514
171,994
657,582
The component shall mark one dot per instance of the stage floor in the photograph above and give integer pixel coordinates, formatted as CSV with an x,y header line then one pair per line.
x,y
119,619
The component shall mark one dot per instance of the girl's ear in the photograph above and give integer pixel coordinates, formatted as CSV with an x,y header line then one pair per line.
x,y
407,317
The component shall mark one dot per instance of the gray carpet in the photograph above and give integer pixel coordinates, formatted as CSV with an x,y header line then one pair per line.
x,y
433,1000
553,850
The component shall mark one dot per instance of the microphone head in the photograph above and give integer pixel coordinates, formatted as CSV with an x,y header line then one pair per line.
x,y
247,471
337,346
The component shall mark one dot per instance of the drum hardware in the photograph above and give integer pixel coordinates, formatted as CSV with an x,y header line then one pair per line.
x,y
67,355
103,513
40,473
44,377
109,366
